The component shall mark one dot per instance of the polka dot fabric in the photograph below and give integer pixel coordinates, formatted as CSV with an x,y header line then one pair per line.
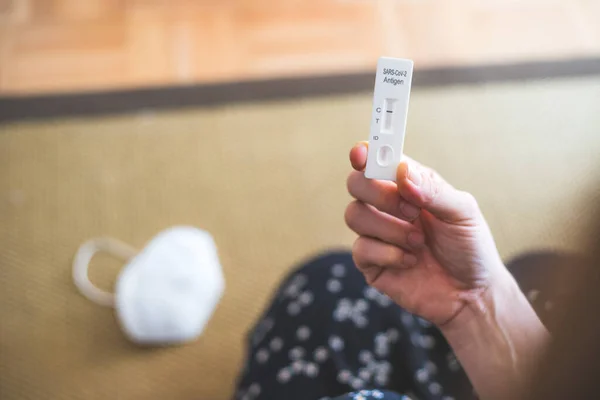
x,y
328,335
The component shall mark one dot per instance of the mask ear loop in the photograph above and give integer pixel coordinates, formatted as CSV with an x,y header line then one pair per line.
x,y
81,262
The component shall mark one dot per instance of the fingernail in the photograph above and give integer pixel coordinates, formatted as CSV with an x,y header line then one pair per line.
x,y
414,175
410,260
416,239
410,211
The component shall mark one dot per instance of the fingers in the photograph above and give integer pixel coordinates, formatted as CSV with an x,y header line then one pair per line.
x,y
372,256
367,221
358,155
424,188
382,195
419,187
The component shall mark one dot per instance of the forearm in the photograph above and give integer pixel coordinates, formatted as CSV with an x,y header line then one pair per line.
x,y
498,338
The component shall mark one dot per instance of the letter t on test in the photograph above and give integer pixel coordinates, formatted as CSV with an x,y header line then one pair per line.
x,y
388,122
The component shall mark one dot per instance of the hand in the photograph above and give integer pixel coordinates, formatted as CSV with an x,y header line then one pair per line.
x,y
421,241
427,246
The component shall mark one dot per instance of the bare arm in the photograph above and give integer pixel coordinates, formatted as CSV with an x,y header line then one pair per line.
x,y
498,338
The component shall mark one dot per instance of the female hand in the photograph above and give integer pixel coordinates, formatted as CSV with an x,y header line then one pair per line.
x,y
427,246
421,241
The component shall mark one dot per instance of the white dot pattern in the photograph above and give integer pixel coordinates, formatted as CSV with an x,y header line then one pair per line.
x,y
370,293
427,341
261,330
249,393
262,356
299,353
431,367
407,319
344,376
276,344
298,366
376,296
338,270
284,375
293,289
422,375
293,309
306,298
357,383
254,389
321,354
452,362
303,333
354,311
311,369
435,388
365,356
393,335
415,339
381,380
424,323
334,286
382,346
336,343
365,374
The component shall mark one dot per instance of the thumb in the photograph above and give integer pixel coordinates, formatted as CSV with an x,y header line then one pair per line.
x,y
425,188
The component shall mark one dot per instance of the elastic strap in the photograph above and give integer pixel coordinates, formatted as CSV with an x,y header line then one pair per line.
x,y
81,262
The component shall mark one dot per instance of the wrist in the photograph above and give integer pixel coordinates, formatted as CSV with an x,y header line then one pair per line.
x,y
497,336
483,306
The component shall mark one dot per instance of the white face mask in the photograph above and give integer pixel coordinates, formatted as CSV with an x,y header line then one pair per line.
x,y
167,292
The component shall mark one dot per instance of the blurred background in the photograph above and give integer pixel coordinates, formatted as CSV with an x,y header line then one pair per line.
x,y
49,46
125,117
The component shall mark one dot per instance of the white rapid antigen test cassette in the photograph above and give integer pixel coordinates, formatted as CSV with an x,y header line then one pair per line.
x,y
388,122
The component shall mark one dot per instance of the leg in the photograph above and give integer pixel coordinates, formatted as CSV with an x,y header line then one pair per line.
x,y
327,333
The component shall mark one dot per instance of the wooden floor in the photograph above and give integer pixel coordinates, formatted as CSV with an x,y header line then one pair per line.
x,y
80,45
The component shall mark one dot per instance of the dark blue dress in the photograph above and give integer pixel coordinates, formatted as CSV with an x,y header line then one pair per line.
x,y
328,335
